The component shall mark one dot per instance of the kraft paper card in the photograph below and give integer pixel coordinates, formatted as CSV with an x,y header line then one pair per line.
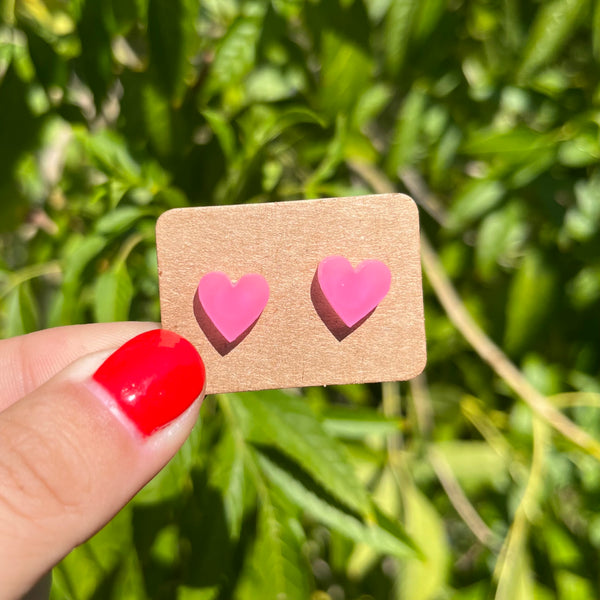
x,y
292,294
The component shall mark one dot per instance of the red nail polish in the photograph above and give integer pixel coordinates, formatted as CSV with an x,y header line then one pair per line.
x,y
153,378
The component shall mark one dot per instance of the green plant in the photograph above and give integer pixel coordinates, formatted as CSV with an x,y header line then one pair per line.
x,y
480,478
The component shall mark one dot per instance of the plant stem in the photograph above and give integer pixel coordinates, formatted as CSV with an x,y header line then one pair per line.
x,y
510,563
30,272
481,343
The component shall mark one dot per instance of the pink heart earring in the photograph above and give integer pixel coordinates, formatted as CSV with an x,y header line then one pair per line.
x,y
351,293
230,309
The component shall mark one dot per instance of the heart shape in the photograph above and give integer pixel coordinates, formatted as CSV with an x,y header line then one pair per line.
x,y
233,307
353,293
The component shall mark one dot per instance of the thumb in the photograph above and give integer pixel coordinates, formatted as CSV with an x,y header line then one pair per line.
x,y
76,449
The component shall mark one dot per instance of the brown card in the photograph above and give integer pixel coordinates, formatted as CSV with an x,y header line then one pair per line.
x,y
299,339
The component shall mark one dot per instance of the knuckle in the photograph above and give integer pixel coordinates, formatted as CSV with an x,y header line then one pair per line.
x,y
43,474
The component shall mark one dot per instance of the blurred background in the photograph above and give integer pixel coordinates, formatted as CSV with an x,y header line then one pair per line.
x,y
478,479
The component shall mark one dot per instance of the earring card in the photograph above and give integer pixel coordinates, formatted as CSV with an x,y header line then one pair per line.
x,y
297,340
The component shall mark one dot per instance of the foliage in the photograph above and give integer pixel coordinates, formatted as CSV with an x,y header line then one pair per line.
x,y
112,111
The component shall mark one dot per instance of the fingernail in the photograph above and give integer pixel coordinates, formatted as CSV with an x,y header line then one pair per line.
x,y
153,378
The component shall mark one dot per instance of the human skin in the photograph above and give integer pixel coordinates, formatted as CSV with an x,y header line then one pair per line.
x,y
80,434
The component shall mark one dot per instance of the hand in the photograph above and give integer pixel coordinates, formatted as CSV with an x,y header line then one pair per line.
x,y
82,428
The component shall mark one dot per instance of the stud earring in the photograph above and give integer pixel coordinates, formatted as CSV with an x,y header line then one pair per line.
x,y
352,293
232,308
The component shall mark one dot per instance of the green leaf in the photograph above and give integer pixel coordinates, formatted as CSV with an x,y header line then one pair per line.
x,y
113,293
20,130
488,471
530,301
423,579
96,55
406,140
291,116
157,118
500,237
596,30
193,593
64,308
582,221
224,132
572,586
22,311
119,220
444,154
7,12
92,567
175,478
270,84
477,591
227,474
236,53
332,158
517,584
387,498
398,26
109,152
358,423
170,34
126,12
429,14
587,192
345,73
530,169
544,377
172,198
370,104
581,151
375,533
515,146
261,125
279,546
584,288
49,67
473,200
288,424
79,251
554,24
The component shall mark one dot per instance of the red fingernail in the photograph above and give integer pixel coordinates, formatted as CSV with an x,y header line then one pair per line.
x,y
153,378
